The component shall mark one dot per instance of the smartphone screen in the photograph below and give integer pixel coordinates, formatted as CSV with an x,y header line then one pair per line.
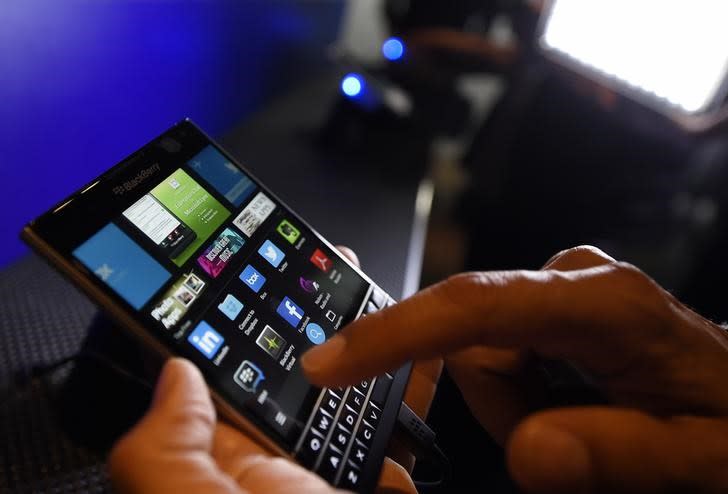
x,y
217,269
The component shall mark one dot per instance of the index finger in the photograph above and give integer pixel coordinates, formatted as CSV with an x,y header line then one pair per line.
x,y
568,315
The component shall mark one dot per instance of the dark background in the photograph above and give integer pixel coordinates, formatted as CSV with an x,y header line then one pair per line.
x,y
83,83
550,164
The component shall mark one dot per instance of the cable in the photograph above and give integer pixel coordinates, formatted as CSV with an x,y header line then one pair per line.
x,y
420,440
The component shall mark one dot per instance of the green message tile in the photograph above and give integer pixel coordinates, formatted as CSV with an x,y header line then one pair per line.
x,y
194,206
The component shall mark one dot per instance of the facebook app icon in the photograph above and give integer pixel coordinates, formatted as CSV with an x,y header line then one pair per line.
x,y
206,339
251,277
289,311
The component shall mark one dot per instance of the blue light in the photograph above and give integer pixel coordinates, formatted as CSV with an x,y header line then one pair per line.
x,y
393,49
352,85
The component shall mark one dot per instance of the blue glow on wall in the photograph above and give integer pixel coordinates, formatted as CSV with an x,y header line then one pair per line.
x,y
84,83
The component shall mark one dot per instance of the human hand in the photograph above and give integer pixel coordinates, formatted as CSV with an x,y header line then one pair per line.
x,y
660,366
418,395
179,446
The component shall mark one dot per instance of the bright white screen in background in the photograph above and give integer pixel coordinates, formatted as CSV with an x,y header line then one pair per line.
x,y
677,50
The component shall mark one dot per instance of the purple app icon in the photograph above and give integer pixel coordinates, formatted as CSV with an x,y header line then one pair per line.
x,y
308,285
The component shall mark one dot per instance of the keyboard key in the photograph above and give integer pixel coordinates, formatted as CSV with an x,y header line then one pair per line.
x,y
372,415
370,308
358,454
331,403
310,449
363,386
350,477
365,434
348,417
330,463
341,437
355,401
381,390
323,422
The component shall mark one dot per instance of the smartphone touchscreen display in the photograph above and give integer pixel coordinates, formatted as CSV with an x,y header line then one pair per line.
x,y
219,270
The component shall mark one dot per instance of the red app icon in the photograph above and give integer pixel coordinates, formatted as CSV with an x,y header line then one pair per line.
x,y
320,260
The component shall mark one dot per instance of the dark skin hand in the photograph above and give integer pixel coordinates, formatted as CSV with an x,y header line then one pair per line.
x,y
180,446
660,366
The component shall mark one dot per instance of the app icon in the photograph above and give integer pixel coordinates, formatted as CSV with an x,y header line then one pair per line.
x,y
254,214
271,342
289,311
330,315
315,333
217,255
288,231
184,296
251,277
194,283
231,307
280,418
271,253
320,260
177,299
248,376
308,286
206,339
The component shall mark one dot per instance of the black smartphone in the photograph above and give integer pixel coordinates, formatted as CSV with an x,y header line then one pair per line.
x,y
187,250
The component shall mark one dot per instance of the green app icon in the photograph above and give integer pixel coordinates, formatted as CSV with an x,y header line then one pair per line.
x,y
271,342
288,231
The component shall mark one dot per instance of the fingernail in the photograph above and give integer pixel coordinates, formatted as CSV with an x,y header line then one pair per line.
x,y
168,381
320,357
553,460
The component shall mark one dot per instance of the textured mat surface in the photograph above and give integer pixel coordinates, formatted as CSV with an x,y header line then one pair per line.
x,y
43,319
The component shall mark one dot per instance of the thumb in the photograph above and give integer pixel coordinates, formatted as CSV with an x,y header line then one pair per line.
x,y
181,414
595,449
170,446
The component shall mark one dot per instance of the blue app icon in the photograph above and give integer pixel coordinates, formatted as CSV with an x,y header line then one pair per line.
x,y
231,307
289,311
206,339
271,253
315,333
248,376
251,277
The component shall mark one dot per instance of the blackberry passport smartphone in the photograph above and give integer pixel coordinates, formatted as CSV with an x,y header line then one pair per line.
x,y
187,250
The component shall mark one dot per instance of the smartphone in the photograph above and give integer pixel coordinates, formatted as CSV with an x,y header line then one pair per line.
x,y
183,247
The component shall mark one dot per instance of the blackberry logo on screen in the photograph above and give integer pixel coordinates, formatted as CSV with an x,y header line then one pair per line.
x,y
133,183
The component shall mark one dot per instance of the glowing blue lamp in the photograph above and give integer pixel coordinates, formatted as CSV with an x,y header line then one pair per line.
x,y
393,49
352,85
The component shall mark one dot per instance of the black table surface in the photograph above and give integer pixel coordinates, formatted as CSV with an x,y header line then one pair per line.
x,y
56,425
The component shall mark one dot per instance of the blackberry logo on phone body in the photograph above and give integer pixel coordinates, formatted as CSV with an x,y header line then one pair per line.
x,y
133,183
